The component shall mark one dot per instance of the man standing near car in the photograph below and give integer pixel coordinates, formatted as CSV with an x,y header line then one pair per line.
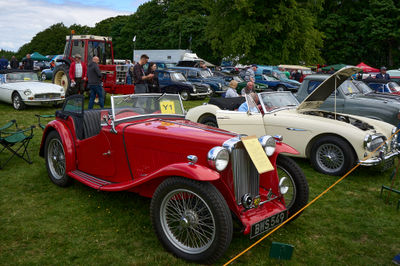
x,y
14,64
250,73
77,75
139,76
94,83
28,62
383,74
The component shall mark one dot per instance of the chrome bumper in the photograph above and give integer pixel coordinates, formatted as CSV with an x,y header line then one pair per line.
x,y
200,94
379,160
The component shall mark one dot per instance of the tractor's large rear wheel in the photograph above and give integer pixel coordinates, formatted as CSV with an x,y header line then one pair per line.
x,y
61,76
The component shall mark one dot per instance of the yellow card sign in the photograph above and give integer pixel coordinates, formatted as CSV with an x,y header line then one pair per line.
x,y
257,154
167,107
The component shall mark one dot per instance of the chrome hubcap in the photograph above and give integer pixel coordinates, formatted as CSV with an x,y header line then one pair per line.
x,y
290,195
17,103
187,221
330,157
56,159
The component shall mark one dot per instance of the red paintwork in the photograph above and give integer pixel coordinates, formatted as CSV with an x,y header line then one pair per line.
x,y
155,150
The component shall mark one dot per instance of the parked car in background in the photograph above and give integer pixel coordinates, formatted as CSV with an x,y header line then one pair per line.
x,y
200,179
334,142
22,88
39,66
276,84
198,75
171,81
230,70
394,75
383,85
350,100
47,74
160,65
241,83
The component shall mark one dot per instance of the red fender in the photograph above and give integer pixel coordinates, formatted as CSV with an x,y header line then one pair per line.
x,y
67,141
285,148
196,172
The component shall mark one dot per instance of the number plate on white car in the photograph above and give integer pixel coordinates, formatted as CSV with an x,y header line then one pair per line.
x,y
267,224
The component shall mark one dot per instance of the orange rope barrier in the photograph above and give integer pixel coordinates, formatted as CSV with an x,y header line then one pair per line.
x,y
308,204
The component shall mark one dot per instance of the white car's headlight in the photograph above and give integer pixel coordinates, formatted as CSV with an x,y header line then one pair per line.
x,y
371,143
218,158
27,92
268,143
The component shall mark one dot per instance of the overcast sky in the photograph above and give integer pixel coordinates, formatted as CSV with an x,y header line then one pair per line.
x,y
20,20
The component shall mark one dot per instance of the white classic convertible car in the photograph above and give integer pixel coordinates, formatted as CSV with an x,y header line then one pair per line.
x,y
21,88
333,142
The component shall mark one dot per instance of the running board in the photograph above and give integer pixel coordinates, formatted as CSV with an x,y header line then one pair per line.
x,y
89,180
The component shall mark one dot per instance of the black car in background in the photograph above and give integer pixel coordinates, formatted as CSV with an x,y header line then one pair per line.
x,y
171,81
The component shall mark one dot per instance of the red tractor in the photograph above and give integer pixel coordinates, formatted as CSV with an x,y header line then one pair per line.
x,y
88,46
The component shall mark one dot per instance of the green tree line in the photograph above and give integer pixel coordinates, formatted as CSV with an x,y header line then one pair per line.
x,y
255,31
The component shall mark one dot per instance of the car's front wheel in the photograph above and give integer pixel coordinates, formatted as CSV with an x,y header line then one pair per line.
x,y
55,160
185,95
209,120
17,101
191,219
281,88
293,178
332,156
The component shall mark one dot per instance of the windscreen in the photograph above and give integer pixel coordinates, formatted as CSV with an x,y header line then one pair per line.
x,y
126,106
276,100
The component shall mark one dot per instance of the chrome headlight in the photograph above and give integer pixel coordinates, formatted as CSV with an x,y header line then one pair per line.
x,y
219,85
371,143
194,88
27,92
218,158
268,143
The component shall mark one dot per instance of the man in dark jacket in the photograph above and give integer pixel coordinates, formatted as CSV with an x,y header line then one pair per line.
x,y
3,63
14,64
28,62
383,74
94,83
139,77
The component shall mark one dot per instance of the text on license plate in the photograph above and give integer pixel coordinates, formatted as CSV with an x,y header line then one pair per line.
x,y
267,224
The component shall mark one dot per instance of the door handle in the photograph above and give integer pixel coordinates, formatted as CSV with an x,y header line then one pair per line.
x,y
107,153
223,117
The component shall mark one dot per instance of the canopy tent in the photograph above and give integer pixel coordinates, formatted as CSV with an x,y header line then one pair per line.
x,y
38,57
336,67
366,68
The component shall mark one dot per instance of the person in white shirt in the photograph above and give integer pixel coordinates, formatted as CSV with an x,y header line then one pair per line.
x,y
231,92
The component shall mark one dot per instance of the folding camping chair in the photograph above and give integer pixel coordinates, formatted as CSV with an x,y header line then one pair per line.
x,y
42,126
16,141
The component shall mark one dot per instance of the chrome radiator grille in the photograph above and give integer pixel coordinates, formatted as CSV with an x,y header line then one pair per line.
x,y
47,96
245,176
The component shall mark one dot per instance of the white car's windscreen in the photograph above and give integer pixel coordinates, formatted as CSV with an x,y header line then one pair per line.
x,y
22,76
276,100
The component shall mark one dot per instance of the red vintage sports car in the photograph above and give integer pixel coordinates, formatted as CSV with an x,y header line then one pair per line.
x,y
199,178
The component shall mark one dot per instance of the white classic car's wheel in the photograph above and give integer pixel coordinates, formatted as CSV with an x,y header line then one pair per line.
x,y
191,219
332,156
17,101
55,160
209,120
296,182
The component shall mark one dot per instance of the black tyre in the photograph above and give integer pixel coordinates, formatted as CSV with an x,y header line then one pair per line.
x,y
209,120
191,219
296,182
55,160
281,88
17,101
332,156
61,76
185,95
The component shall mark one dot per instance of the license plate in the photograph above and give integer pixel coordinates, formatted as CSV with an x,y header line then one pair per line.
x,y
268,224
388,164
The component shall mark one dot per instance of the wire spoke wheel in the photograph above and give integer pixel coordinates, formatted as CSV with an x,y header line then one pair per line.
x,y
188,221
330,157
56,159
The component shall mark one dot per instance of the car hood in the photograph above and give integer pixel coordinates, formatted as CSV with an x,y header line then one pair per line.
x,y
178,131
35,87
384,95
322,92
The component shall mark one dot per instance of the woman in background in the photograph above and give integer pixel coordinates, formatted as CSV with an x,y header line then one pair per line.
x,y
153,82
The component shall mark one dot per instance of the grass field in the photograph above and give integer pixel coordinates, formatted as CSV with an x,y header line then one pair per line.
x,y
42,224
